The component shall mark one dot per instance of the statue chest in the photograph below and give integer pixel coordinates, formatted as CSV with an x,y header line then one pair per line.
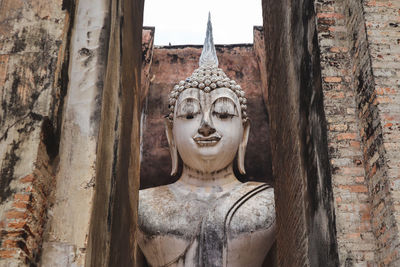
x,y
185,229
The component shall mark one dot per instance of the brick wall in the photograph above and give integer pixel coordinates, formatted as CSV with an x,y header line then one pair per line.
x,y
359,42
370,130
377,79
356,242
22,226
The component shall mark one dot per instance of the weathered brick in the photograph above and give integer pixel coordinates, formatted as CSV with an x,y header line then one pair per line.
x,y
338,127
333,79
346,136
22,197
9,244
355,144
20,205
30,38
16,225
7,253
15,215
3,68
358,188
351,187
28,179
330,15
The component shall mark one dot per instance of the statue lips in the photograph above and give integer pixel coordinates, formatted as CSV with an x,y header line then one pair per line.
x,y
207,141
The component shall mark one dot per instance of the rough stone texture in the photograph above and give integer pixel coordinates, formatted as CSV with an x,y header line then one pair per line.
x,y
32,85
25,216
123,241
304,201
376,69
111,239
175,63
356,242
370,129
259,50
68,224
360,48
147,60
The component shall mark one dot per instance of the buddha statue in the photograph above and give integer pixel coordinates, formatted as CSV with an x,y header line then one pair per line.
x,y
208,217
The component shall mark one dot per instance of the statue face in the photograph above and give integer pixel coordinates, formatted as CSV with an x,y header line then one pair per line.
x,y
207,128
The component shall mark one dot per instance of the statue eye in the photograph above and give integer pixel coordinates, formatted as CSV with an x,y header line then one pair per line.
x,y
224,108
188,109
190,116
223,116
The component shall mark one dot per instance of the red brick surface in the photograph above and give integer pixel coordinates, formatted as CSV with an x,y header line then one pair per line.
x,y
380,115
352,204
358,43
23,225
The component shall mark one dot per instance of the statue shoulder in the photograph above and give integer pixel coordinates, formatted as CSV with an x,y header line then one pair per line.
x,y
154,191
254,209
153,202
154,196
261,190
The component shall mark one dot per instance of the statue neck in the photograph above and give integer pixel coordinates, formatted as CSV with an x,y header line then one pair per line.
x,y
198,178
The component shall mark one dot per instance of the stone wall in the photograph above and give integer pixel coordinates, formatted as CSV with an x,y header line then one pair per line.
x,y
34,38
356,242
54,155
359,49
67,230
376,67
127,164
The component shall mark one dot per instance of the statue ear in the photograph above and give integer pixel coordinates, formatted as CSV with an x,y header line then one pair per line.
x,y
242,147
172,146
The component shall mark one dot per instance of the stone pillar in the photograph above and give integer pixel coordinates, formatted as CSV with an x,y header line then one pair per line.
x,y
304,201
94,217
259,51
111,240
33,50
68,227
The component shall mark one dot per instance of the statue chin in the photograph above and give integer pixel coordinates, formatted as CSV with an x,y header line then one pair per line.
x,y
208,161
207,217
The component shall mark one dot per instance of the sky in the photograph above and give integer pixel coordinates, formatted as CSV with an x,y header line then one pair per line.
x,y
182,22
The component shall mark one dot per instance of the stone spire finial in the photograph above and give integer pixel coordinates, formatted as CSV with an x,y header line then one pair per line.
x,y
207,77
208,55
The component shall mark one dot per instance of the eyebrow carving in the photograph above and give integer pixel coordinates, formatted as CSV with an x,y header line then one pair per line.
x,y
224,105
188,106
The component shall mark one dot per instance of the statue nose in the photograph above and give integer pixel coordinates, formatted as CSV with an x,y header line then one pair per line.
x,y
206,129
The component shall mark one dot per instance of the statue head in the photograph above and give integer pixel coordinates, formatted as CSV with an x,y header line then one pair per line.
x,y
207,124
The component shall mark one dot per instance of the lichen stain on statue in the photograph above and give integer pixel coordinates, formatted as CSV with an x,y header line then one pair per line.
x,y
207,217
